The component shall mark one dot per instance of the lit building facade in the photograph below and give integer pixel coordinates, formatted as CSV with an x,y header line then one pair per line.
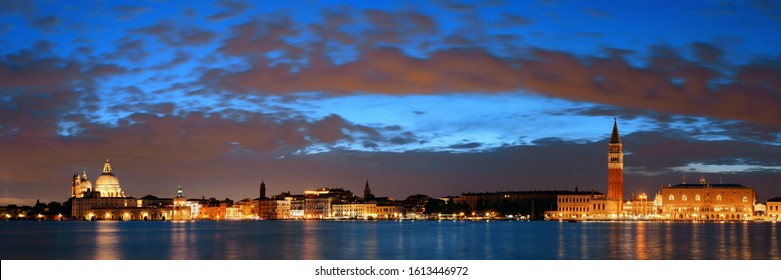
x,y
708,202
639,207
361,211
773,209
584,206
275,209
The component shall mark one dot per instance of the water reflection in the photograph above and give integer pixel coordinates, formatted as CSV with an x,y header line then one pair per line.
x,y
106,240
695,240
774,242
561,253
641,249
311,243
391,240
746,248
180,236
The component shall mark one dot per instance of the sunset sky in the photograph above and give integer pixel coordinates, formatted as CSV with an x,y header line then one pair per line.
x,y
434,97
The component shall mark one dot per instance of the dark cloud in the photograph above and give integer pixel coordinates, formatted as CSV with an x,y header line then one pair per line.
x,y
26,8
395,27
670,84
47,23
467,146
25,69
127,12
231,9
168,32
511,20
255,38
706,52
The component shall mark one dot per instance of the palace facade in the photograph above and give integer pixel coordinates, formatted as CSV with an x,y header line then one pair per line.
x,y
708,202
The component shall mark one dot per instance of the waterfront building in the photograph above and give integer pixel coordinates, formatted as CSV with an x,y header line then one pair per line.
x,y
639,207
708,202
533,203
361,211
773,208
318,203
389,212
182,210
585,206
275,209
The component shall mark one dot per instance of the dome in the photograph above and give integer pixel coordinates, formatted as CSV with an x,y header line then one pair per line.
x,y
108,184
106,179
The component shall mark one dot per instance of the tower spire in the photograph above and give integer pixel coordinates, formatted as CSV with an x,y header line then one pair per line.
x,y
262,189
615,138
367,192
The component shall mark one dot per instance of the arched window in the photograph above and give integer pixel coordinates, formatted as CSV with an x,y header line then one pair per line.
x,y
683,198
718,198
697,197
671,198
745,199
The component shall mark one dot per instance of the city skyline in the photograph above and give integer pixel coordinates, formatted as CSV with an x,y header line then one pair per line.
x,y
431,97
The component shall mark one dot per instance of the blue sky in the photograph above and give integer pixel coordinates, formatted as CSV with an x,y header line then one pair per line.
x,y
217,95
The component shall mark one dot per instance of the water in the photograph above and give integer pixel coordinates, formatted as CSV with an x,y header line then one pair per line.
x,y
292,240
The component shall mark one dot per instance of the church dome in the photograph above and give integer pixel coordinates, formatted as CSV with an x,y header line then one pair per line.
x,y
108,184
106,179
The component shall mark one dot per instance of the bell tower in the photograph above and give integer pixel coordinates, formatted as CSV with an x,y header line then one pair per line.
x,y
615,166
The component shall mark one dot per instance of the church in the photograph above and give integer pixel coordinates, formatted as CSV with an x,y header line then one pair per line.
x,y
107,184
107,201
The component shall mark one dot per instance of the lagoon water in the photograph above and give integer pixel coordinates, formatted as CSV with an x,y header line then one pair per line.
x,y
408,240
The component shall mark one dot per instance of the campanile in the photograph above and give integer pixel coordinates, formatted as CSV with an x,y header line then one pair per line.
x,y
615,166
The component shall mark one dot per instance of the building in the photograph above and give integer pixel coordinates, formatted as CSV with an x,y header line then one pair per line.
x,y
584,206
359,211
532,203
773,209
107,201
107,185
615,167
639,207
80,185
318,203
587,206
708,202
275,208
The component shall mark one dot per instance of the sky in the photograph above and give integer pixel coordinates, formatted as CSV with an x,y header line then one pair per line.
x,y
439,97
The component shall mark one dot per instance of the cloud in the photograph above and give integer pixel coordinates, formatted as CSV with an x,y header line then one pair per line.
x,y
168,32
256,38
127,12
511,20
232,9
47,23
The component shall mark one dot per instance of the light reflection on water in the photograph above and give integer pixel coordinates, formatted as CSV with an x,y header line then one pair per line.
x,y
106,240
386,240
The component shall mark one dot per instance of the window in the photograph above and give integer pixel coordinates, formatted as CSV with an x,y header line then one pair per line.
x,y
671,198
745,199
697,197
683,198
718,198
